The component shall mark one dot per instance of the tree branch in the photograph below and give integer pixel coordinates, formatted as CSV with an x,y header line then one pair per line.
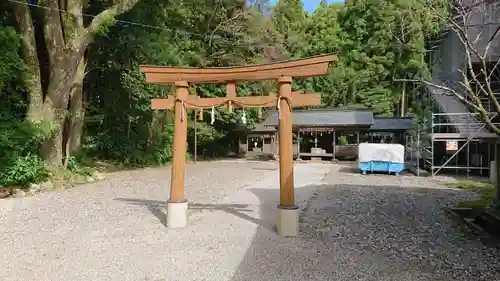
x,y
459,22
221,24
54,37
476,105
444,88
103,18
462,35
72,20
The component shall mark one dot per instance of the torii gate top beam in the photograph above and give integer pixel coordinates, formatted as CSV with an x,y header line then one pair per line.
x,y
308,67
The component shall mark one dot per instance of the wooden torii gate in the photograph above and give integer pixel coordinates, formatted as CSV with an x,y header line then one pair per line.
x,y
283,73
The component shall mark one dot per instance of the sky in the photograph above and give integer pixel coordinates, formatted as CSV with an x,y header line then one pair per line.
x,y
310,5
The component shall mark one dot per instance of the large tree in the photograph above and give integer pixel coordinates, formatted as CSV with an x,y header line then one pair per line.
x,y
290,19
55,36
121,125
382,39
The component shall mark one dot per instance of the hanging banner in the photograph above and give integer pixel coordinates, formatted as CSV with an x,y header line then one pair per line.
x,y
451,145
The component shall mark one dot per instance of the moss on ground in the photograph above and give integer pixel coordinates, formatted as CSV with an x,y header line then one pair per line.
x,y
487,193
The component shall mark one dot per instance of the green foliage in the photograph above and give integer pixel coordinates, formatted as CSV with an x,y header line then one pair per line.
x,y
11,64
343,140
23,170
376,42
487,193
20,163
107,23
290,20
78,167
11,76
19,160
129,132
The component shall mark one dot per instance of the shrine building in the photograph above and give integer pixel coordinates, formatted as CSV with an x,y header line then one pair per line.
x,y
326,133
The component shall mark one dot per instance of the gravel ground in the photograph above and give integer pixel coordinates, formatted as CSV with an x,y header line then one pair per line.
x,y
393,228
353,227
112,230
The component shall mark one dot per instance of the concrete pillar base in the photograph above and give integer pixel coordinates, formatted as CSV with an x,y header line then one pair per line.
x,y
287,221
177,214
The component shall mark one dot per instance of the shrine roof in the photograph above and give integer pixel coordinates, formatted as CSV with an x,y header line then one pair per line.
x,y
262,129
392,124
326,117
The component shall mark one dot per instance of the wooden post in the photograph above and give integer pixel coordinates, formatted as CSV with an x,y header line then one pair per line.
x,y
334,144
179,143
287,196
195,138
231,94
298,144
496,203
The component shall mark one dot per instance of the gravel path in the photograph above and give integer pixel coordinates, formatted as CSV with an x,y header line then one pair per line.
x,y
112,230
353,227
382,227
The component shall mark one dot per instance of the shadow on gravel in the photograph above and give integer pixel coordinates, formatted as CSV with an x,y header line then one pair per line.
x,y
352,232
157,208
265,169
352,168
349,168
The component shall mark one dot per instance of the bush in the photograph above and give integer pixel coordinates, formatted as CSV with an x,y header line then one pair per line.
x,y
78,167
23,170
20,163
131,150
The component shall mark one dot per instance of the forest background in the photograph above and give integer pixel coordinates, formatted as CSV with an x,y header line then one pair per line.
x,y
72,94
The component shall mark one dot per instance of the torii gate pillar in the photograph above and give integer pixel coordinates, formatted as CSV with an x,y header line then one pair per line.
x,y
287,219
177,205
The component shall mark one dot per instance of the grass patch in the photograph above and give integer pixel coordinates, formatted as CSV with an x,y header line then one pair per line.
x,y
486,191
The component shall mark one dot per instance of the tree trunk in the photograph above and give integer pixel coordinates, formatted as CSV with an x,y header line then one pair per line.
x,y
76,109
403,99
33,80
153,129
62,76
66,39
52,150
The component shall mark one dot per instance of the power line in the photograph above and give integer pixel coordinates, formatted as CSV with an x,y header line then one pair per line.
x,y
124,21
133,23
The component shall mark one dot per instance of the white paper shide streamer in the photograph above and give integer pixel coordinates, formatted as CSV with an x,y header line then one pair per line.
x,y
244,117
212,116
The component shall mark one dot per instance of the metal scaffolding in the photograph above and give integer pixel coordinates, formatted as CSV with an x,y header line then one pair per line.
x,y
448,137
439,143
460,154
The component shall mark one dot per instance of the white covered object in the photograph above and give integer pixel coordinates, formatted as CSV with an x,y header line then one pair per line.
x,y
381,152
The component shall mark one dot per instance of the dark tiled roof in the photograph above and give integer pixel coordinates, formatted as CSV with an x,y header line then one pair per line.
x,y
261,128
325,117
391,124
